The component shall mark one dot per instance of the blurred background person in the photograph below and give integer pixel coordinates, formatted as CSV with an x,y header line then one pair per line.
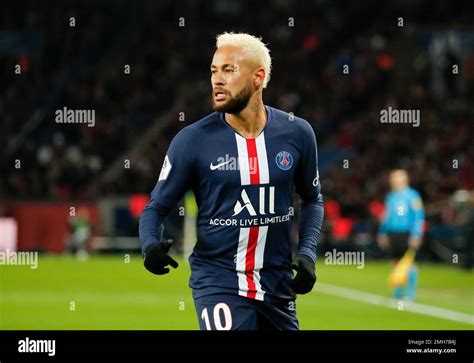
x,y
78,241
401,233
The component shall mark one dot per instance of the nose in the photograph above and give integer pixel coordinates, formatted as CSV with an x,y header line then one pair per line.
x,y
217,79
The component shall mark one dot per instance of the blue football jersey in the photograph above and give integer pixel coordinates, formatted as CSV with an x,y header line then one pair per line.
x,y
244,192
404,212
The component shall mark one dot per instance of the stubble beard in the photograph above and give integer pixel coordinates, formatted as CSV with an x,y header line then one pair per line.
x,y
234,104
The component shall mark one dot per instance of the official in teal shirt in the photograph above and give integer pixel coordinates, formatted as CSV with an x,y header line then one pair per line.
x,y
401,229
403,213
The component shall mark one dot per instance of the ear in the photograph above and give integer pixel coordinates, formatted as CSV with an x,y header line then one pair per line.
x,y
258,77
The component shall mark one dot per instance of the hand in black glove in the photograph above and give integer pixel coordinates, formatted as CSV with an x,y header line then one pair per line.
x,y
156,258
305,275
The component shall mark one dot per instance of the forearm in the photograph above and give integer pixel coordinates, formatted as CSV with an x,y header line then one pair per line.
x,y
416,231
151,226
310,225
414,243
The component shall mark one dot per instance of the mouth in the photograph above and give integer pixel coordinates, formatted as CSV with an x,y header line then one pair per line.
x,y
219,95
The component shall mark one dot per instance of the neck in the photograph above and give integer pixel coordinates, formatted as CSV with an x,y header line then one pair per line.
x,y
397,189
250,121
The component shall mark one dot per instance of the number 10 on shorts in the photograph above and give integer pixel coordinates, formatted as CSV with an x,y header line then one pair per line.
x,y
222,317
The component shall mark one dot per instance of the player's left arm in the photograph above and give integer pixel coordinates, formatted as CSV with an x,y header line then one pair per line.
x,y
416,229
308,187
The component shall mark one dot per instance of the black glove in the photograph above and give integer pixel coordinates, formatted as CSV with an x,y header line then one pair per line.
x,y
305,275
156,258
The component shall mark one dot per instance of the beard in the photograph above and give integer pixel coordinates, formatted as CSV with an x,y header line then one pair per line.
x,y
234,104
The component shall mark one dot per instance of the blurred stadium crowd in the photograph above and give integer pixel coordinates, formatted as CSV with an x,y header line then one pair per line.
x,y
407,65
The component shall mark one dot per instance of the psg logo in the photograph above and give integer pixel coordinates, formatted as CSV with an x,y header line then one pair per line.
x,y
284,160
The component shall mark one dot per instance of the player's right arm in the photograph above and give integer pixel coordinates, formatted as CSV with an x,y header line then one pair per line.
x,y
174,180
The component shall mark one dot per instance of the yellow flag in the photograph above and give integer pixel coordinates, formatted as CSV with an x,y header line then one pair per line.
x,y
399,275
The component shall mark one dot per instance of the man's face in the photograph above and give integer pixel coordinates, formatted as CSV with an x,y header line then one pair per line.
x,y
398,179
231,80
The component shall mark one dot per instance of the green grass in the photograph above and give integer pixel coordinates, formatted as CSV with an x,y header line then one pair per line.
x,y
108,293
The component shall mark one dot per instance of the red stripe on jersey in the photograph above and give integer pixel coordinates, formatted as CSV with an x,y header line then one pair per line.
x,y
253,161
250,262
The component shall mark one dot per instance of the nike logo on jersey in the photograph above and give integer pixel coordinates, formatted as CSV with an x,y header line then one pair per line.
x,y
214,167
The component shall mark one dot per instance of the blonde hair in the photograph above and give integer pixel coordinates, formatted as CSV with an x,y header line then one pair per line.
x,y
251,45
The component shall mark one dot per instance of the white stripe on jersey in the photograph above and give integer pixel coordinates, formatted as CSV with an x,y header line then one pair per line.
x,y
262,159
241,257
243,159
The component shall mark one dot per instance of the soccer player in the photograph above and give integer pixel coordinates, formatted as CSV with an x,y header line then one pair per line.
x,y
401,232
243,163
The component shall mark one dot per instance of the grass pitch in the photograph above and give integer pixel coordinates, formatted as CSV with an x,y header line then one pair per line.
x,y
112,292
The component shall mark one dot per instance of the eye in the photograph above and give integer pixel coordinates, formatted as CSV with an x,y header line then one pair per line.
x,y
229,70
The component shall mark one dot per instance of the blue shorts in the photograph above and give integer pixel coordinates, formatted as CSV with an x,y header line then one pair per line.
x,y
234,312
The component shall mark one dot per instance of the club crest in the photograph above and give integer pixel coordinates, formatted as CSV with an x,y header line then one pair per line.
x,y
284,160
